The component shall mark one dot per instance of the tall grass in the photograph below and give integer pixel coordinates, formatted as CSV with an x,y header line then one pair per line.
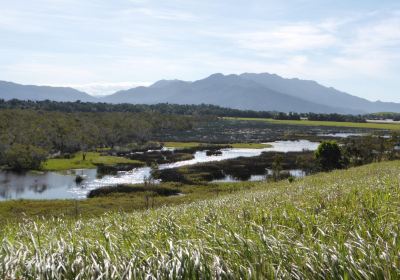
x,y
341,225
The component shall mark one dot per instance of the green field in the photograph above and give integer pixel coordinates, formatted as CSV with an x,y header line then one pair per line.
x,y
386,126
92,159
338,225
182,145
250,145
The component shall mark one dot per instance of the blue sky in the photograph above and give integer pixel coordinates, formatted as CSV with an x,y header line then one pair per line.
x,y
101,46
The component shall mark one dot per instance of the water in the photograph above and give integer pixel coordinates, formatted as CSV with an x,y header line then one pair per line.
x,y
298,173
46,185
52,185
342,135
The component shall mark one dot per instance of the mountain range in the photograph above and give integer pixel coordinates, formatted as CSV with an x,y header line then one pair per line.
x,y
261,92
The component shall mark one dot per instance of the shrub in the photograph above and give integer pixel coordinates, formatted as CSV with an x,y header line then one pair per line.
x,y
24,157
329,155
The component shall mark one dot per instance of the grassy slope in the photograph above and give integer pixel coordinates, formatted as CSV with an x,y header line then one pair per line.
x,y
92,159
342,224
325,123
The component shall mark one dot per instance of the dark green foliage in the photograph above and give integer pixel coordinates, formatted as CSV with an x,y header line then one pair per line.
x,y
58,132
106,169
163,108
168,175
335,117
24,157
158,190
79,179
329,155
289,116
277,167
372,148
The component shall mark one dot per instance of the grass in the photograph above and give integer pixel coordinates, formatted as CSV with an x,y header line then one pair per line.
x,y
182,145
387,126
92,160
339,225
250,145
185,145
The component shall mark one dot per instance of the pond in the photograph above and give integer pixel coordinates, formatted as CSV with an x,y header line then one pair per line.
x,y
53,185
297,173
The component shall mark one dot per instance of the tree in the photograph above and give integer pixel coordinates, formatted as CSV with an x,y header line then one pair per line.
x,y
329,155
277,167
24,157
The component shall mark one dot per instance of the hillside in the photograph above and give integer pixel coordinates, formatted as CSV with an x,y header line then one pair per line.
x,y
27,92
228,91
266,92
335,225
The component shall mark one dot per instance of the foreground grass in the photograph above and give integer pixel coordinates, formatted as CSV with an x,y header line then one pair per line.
x,y
388,126
341,225
92,159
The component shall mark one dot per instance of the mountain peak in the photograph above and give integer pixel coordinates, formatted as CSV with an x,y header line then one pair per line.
x,y
164,83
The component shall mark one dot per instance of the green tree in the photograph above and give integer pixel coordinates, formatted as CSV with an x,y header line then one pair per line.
x,y
24,157
329,155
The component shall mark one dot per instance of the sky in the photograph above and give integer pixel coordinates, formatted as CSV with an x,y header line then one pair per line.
x,y
100,46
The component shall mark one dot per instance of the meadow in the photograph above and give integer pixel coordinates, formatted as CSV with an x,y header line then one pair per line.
x,y
367,125
337,225
92,159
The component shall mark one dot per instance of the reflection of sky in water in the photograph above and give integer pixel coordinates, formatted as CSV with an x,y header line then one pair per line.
x,y
342,135
52,185
48,185
298,173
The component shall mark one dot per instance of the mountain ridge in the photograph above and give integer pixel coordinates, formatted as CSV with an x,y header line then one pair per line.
x,y
247,91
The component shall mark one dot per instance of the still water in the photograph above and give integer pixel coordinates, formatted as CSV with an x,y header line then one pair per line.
x,y
53,185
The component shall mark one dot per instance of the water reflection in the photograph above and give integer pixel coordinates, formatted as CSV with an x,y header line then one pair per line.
x,y
297,173
46,185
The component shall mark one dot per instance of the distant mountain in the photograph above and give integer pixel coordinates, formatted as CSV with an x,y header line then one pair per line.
x,y
314,92
10,90
231,91
261,92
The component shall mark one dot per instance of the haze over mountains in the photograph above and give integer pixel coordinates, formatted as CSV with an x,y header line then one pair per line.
x,y
10,90
261,92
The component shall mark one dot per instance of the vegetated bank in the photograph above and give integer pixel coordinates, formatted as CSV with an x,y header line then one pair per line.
x,y
366,125
342,224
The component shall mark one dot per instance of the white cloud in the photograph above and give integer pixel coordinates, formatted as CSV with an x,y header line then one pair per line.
x,y
290,38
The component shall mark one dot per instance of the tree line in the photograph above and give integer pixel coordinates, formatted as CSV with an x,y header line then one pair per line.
x,y
162,108
166,108
28,136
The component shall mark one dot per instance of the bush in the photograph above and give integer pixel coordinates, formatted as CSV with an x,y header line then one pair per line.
x,y
24,157
329,155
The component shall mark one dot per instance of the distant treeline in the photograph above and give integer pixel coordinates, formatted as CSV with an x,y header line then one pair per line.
x,y
319,117
193,110
162,108
384,115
